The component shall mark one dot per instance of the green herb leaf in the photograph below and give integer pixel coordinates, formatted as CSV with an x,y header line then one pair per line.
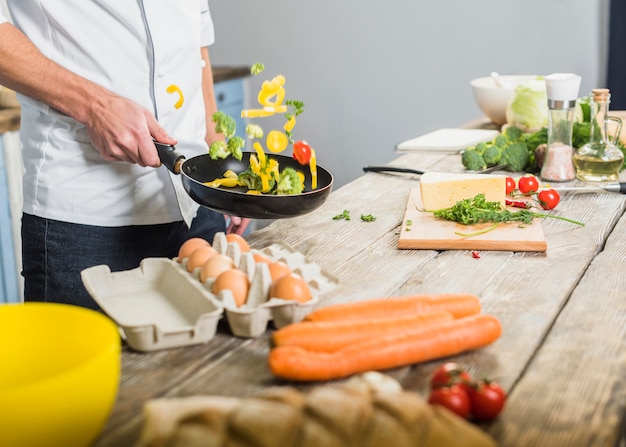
x,y
345,215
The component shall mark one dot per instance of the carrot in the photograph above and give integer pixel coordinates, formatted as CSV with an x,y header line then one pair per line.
x,y
392,351
459,305
329,336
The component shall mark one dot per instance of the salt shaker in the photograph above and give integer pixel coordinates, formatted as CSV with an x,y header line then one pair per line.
x,y
562,90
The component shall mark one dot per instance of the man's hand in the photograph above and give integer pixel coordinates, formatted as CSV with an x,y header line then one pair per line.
x,y
236,224
122,130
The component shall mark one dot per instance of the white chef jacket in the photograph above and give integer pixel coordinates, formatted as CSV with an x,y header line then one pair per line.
x,y
135,49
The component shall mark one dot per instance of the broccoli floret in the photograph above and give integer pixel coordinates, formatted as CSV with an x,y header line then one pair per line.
x,y
480,148
289,182
218,149
515,156
254,131
235,144
224,124
257,68
472,160
501,140
250,180
492,155
513,133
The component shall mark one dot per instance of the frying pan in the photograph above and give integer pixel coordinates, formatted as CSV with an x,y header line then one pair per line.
x,y
234,201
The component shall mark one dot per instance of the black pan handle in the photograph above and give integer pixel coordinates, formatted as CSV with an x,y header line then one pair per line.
x,y
169,156
391,169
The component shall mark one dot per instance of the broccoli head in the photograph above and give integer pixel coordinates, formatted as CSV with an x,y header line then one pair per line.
x,y
218,149
472,160
492,155
289,182
250,180
480,148
224,124
515,156
513,133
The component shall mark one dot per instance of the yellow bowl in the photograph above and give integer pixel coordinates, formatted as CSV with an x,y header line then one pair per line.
x,y
59,376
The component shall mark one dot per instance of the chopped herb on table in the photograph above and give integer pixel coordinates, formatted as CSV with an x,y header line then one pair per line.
x,y
368,217
345,215
478,210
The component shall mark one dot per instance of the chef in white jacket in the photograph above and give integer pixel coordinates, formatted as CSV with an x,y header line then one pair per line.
x,y
98,81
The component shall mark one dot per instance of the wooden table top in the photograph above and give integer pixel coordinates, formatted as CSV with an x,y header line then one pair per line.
x,y
562,354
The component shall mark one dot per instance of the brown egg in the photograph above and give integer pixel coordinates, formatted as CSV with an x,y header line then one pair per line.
x,y
234,280
291,287
239,240
259,258
278,269
214,266
189,247
200,256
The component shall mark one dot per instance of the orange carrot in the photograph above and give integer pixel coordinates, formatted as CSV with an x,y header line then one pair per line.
x,y
459,305
392,351
329,336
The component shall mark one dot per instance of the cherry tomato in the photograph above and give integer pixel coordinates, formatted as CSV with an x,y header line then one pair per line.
x,y
548,199
302,152
455,398
449,374
528,184
486,400
510,185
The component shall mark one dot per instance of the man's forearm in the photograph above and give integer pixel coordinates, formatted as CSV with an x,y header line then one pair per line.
x,y
26,70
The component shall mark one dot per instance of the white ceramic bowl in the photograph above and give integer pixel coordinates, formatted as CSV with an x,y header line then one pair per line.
x,y
493,99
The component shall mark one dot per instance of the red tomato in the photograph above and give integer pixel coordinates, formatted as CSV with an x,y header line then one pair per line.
x,y
510,185
302,152
449,374
487,400
528,184
548,199
455,398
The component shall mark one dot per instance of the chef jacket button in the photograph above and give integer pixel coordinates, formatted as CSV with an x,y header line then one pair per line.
x,y
202,63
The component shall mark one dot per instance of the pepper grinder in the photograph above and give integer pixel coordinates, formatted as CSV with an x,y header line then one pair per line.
x,y
562,91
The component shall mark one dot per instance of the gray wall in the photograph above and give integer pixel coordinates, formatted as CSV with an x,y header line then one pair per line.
x,y
373,74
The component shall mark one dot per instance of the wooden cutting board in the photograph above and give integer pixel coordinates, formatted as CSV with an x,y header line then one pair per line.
x,y
421,230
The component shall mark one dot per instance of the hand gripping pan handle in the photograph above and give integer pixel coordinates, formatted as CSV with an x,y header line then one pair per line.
x,y
170,157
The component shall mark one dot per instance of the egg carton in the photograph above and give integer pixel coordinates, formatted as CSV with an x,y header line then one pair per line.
x,y
155,305
161,305
252,318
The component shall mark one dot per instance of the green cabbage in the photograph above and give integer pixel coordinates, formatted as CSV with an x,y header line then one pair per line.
x,y
528,109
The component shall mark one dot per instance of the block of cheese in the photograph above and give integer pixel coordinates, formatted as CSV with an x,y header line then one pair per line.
x,y
442,190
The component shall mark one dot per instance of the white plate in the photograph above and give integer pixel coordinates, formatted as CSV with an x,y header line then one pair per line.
x,y
447,140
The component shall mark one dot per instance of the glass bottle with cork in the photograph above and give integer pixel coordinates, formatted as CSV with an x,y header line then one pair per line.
x,y
562,91
600,159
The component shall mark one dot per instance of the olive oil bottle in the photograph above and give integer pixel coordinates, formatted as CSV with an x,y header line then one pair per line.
x,y
600,159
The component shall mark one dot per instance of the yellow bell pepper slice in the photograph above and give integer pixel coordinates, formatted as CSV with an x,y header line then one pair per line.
x,y
265,182
256,113
261,154
276,141
253,192
254,164
173,88
313,168
230,174
288,127
272,92
228,182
